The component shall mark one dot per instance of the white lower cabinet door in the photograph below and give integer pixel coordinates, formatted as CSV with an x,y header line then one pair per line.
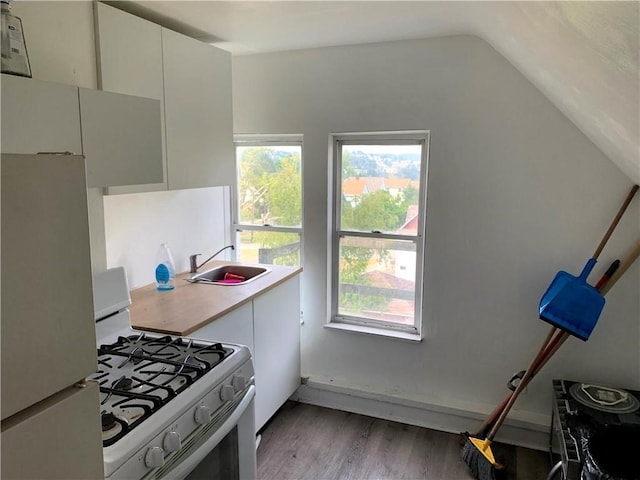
x,y
58,438
276,327
234,327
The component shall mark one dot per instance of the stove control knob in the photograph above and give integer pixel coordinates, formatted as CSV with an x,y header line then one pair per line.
x,y
239,382
171,442
154,457
227,393
202,414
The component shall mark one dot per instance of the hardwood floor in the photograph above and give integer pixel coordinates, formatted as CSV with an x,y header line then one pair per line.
x,y
306,442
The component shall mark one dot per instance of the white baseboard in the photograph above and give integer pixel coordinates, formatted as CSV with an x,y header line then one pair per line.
x,y
522,429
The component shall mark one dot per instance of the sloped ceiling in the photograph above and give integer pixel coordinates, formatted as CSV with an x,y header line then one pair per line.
x,y
583,55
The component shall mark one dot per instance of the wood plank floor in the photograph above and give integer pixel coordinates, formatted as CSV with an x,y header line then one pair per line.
x,y
306,442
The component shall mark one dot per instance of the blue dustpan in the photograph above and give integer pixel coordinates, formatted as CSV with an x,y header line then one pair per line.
x,y
571,304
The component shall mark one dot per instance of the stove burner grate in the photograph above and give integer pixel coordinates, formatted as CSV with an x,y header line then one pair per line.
x,y
139,374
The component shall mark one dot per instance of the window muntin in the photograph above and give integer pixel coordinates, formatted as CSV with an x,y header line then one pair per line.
x,y
378,229
269,199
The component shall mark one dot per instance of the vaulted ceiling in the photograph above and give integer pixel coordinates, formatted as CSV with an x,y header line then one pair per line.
x,y
583,55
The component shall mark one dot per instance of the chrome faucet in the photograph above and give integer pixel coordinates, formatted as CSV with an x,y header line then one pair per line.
x,y
194,265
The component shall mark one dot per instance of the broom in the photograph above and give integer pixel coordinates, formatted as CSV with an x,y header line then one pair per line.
x,y
477,452
553,342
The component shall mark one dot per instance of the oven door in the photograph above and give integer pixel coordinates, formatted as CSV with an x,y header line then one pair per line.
x,y
228,451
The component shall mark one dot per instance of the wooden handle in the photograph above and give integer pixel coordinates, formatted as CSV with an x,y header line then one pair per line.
x,y
489,422
626,262
521,384
548,349
616,220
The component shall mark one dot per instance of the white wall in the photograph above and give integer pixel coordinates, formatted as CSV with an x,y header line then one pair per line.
x,y
189,221
515,193
125,230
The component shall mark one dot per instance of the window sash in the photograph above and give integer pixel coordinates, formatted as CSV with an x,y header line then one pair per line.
x,y
267,140
382,138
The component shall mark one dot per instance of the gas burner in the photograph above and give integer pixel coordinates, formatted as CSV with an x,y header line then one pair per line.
x,y
139,374
175,351
604,399
108,421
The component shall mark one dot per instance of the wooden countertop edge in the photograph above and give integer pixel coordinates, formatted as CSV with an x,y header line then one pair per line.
x,y
152,311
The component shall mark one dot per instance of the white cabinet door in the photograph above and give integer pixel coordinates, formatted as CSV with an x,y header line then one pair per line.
x,y
276,326
129,58
198,113
234,327
47,295
129,53
121,138
59,438
39,116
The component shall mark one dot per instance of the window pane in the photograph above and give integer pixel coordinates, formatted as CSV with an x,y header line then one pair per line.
x,y
380,188
270,185
377,279
275,248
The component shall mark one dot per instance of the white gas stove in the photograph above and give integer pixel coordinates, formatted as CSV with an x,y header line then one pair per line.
x,y
171,407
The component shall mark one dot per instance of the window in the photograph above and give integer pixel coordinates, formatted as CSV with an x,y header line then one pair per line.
x,y
378,231
269,199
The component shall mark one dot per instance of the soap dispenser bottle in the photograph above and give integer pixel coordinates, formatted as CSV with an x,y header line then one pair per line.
x,y
165,269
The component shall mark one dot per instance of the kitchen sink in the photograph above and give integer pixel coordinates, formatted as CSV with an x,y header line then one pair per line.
x,y
230,275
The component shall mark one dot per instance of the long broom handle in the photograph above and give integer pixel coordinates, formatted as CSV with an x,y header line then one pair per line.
x,y
631,257
489,422
512,399
550,348
615,221
561,338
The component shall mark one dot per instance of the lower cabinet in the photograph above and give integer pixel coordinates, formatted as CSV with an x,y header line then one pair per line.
x,y
234,327
270,327
276,332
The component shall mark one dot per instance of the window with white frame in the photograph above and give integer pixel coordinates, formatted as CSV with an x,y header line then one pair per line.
x,y
379,205
268,214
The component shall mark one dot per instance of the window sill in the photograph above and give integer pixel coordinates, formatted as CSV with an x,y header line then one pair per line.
x,y
378,332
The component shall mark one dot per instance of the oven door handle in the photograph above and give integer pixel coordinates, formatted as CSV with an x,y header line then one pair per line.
x,y
194,458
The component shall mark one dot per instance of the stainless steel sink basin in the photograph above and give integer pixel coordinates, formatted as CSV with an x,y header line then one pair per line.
x,y
230,275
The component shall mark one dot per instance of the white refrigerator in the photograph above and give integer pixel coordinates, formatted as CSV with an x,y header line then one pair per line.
x,y
50,413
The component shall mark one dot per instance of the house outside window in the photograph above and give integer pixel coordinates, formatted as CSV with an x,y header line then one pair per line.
x,y
268,199
378,227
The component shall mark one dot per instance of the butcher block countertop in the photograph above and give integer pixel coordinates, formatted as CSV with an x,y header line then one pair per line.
x,y
191,306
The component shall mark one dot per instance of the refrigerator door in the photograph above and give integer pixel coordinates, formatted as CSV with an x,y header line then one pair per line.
x,y
58,438
48,332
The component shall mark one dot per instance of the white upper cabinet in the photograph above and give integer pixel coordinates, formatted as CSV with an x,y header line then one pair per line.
x,y
198,113
120,138
129,56
120,135
193,82
129,51
39,116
